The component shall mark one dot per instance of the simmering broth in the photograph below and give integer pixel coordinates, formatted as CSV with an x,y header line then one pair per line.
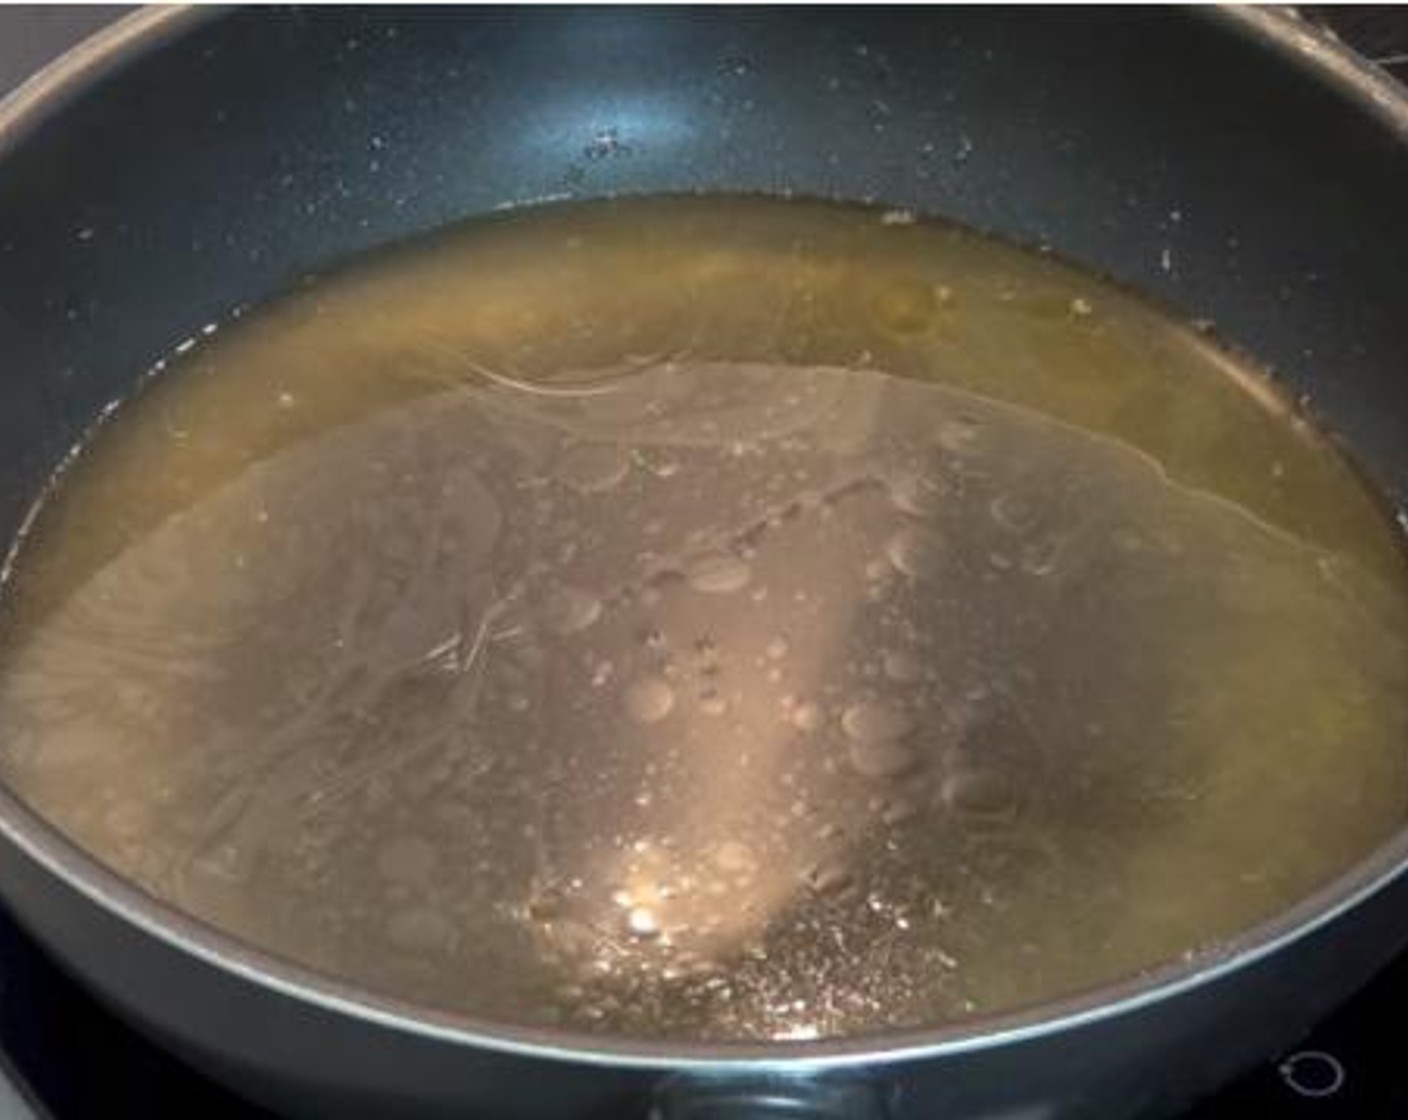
x,y
716,618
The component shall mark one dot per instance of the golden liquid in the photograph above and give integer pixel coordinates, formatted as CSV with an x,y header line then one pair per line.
x,y
712,618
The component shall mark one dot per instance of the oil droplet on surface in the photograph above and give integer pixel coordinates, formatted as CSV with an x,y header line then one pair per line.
x,y
916,494
718,574
958,436
898,811
1014,512
712,703
649,699
568,610
831,877
875,721
915,550
593,468
980,793
903,667
876,733
881,758
877,571
806,717
1042,557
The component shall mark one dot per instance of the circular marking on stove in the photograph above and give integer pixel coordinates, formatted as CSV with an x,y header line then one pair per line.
x,y
1313,1073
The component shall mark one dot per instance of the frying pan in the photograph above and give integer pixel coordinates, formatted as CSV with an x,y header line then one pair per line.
x,y
1232,162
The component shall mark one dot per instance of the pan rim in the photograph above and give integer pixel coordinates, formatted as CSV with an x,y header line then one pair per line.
x,y
130,38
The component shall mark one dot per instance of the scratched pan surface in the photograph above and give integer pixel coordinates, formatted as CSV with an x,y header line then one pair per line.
x,y
1230,164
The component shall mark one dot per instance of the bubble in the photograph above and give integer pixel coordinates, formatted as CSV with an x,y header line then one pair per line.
x,y
569,610
642,922
797,1032
915,551
406,858
777,648
593,467
876,722
718,574
649,699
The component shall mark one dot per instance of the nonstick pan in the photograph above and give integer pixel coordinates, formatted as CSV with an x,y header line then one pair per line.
x,y
1233,163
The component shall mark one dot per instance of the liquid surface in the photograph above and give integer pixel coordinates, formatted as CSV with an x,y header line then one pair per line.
x,y
715,619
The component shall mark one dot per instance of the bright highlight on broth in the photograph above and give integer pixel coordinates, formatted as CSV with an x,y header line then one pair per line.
x,y
712,619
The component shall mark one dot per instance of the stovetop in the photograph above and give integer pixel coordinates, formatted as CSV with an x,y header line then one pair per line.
x,y
72,1059
68,1058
